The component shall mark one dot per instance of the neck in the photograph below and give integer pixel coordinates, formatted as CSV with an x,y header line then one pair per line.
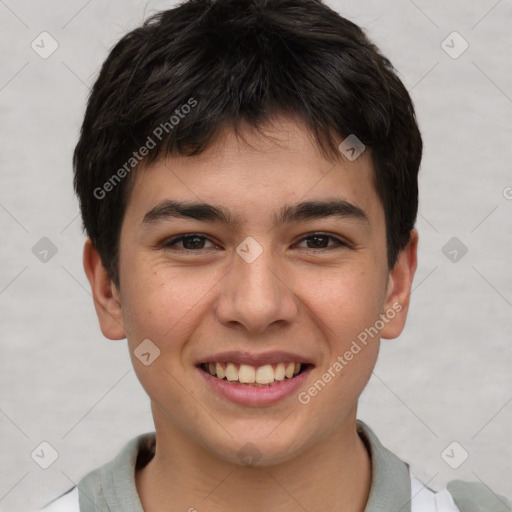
x,y
334,474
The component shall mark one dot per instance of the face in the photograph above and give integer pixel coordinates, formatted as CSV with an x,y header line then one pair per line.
x,y
278,284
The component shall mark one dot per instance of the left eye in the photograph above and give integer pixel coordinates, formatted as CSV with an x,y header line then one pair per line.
x,y
321,240
192,242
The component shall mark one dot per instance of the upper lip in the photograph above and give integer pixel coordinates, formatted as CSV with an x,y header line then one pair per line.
x,y
254,359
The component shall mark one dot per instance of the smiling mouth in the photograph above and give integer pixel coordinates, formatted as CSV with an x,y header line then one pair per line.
x,y
258,376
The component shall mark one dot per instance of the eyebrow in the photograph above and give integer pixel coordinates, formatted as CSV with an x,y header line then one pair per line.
x,y
306,210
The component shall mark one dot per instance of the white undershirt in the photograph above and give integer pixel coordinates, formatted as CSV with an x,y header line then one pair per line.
x,y
426,500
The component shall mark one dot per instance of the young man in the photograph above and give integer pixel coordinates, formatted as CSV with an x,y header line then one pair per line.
x,y
247,176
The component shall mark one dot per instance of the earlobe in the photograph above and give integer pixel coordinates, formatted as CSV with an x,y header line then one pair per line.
x,y
105,294
399,289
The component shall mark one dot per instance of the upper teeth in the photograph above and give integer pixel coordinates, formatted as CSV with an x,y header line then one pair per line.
x,y
247,374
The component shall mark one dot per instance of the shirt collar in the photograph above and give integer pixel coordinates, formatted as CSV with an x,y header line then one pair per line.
x,y
391,481
111,488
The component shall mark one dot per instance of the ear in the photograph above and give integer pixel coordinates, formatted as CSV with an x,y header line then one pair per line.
x,y
399,289
107,300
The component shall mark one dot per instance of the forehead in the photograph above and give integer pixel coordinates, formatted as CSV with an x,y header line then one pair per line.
x,y
257,170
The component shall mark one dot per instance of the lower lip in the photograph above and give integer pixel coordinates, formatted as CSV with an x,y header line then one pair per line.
x,y
256,395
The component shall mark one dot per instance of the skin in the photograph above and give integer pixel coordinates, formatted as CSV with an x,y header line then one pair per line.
x,y
292,297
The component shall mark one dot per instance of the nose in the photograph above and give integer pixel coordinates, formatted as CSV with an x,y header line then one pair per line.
x,y
256,295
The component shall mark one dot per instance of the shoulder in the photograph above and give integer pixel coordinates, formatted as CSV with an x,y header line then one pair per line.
x,y
477,497
458,496
67,502
109,481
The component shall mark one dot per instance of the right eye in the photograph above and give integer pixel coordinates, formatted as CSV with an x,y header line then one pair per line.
x,y
191,242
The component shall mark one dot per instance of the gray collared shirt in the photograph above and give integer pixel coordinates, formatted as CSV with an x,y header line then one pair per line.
x,y
111,488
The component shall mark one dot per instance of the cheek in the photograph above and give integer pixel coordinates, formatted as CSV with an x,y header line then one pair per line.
x,y
349,309
160,304
347,301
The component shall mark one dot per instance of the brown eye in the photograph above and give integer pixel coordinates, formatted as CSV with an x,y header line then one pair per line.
x,y
191,242
321,241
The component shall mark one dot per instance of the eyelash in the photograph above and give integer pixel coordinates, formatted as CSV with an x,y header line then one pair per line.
x,y
171,243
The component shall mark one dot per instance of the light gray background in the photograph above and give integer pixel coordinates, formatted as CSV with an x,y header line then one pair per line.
x,y
447,378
